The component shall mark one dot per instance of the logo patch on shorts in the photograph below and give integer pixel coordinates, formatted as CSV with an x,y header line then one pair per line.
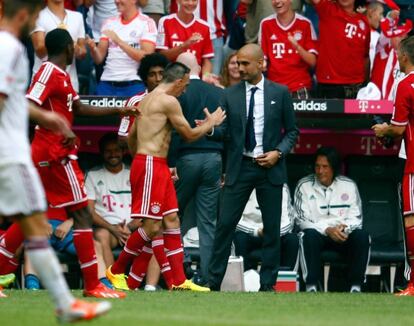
x,y
155,208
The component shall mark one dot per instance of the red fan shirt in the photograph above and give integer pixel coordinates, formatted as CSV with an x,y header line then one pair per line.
x,y
173,32
343,45
285,65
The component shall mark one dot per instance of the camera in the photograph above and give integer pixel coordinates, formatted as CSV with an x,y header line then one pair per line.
x,y
387,141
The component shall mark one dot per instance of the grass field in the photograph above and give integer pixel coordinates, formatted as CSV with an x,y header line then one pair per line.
x,y
184,308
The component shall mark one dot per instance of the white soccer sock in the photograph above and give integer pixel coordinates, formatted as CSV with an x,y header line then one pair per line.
x,y
355,289
311,288
46,265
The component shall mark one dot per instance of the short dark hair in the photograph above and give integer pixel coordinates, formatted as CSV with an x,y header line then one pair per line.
x,y
11,7
407,47
57,41
332,156
174,71
149,61
110,137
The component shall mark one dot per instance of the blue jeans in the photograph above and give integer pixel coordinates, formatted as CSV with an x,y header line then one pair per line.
x,y
218,44
62,245
107,88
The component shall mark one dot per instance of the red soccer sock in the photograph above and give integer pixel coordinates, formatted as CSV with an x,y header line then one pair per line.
x,y
132,249
139,268
11,240
159,253
83,241
409,234
175,254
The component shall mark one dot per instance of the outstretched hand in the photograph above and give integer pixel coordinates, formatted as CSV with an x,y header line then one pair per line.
x,y
216,118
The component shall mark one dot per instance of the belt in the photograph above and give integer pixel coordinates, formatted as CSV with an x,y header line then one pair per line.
x,y
249,159
122,83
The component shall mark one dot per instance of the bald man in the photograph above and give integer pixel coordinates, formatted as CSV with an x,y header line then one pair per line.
x,y
198,164
259,132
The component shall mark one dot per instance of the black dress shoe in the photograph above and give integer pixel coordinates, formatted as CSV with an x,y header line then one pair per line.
x,y
212,287
266,288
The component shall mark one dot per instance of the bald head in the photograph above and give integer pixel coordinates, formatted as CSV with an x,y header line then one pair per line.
x,y
252,50
188,59
250,60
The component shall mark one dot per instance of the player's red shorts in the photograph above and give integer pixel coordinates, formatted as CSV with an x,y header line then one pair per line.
x,y
408,193
152,189
64,184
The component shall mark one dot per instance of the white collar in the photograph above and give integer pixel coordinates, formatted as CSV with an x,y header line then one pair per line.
x,y
259,85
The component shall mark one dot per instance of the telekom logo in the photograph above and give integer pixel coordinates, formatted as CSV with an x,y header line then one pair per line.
x,y
350,30
278,50
363,106
107,201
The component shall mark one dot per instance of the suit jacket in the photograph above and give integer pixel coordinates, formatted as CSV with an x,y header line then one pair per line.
x,y
280,130
198,95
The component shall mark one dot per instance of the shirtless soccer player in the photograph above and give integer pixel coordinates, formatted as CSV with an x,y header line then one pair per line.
x,y
153,194
21,193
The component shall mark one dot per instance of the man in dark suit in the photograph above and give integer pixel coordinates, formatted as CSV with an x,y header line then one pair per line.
x,y
259,132
198,164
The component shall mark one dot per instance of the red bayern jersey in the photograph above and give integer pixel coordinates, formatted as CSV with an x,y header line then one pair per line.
x,y
173,32
52,89
128,120
211,11
285,65
344,41
403,115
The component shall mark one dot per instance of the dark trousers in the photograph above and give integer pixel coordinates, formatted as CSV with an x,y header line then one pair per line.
x,y
248,245
199,179
344,91
355,250
234,200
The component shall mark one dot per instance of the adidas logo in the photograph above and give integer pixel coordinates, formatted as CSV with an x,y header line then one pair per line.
x,y
273,37
100,183
312,197
174,36
65,84
412,85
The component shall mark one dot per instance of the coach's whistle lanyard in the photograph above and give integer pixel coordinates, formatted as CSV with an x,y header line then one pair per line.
x,y
63,23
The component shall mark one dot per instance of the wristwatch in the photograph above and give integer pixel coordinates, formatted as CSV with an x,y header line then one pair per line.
x,y
280,154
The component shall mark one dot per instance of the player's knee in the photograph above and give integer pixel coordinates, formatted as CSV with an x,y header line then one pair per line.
x,y
82,218
152,228
172,221
102,235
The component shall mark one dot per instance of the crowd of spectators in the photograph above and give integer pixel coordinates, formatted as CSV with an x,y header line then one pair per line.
x,y
318,48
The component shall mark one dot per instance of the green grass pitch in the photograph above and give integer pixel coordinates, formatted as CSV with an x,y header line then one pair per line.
x,y
185,308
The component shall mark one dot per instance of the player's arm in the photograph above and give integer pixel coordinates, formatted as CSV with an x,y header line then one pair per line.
x,y
52,121
178,121
132,139
38,40
390,130
94,111
98,52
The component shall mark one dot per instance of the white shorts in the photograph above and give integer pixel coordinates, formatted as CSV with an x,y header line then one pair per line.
x,y
21,190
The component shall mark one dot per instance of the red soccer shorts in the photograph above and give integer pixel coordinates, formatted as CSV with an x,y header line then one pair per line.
x,y
64,184
152,190
408,194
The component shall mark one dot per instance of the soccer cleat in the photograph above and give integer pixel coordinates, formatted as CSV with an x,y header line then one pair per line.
x,y
190,286
101,291
6,280
118,280
2,295
409,291
82,310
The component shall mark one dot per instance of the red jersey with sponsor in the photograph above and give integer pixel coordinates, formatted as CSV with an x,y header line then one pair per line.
x,y
52,89
344,41
128,121
403,115
285,65
173,32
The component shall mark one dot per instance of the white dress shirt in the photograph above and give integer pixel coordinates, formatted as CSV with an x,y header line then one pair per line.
x,y
258,116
